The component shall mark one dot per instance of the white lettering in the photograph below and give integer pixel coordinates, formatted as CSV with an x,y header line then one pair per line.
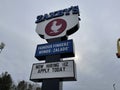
x,y
62,49
60,44
44,51
44,47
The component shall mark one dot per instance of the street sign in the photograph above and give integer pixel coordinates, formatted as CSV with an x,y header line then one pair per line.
x,y
118,48
63,70
64,48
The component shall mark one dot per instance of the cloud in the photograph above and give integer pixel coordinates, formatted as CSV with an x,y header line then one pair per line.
x,y
95,41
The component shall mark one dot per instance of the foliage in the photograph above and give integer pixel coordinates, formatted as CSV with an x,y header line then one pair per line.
x,y
22,85
6,83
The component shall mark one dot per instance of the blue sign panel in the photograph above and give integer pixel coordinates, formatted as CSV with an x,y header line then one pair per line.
x,y
64,48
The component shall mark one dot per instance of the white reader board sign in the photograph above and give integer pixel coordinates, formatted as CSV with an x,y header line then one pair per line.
x,y
63,70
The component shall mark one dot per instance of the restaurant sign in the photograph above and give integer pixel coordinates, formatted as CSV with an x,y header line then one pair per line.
x,y
58,23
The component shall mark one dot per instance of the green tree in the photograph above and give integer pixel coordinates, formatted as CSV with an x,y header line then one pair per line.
x,y
38,88
13,87
22,85
30,87
5,81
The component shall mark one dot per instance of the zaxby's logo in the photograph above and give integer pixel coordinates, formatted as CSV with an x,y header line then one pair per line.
x,y
55,27
59,23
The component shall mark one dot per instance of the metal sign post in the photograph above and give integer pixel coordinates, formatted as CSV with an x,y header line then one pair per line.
x,y
52,84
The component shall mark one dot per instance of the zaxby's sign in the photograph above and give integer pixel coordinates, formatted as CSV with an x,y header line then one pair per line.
x,y
58,24
64,48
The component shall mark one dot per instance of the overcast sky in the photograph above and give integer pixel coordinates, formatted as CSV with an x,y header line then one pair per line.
x,y
98,68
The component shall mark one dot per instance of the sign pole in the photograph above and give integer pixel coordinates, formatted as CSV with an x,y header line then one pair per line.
x,y
53,84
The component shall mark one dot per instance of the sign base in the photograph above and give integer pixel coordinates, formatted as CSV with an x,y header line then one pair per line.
x,y
52,84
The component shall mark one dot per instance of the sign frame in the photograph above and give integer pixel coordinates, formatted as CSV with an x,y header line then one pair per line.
x,y
72,78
